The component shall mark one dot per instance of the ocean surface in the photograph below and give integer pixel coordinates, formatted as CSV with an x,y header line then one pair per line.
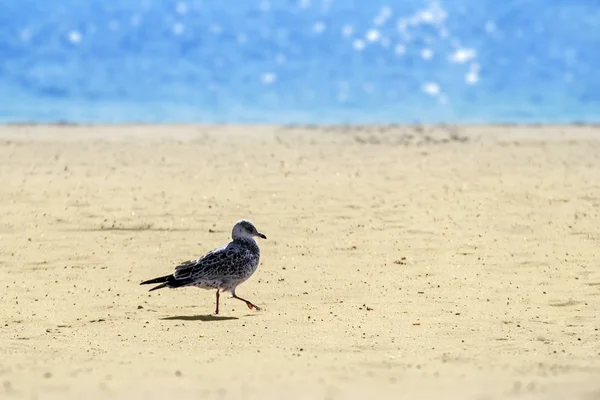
x,y
299,61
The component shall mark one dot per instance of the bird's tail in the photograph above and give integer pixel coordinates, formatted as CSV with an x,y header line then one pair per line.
x,y
162,280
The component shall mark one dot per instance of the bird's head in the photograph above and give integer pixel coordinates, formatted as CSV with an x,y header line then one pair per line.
x,y
245,229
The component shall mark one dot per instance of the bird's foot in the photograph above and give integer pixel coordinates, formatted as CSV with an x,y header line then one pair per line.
x,y
251,306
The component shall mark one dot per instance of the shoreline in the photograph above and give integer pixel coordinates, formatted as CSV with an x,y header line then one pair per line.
x,y
419,132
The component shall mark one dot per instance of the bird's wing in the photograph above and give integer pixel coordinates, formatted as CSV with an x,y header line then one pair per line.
x,y
221,263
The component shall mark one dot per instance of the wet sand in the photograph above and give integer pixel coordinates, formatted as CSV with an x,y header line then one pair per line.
x,y
401,262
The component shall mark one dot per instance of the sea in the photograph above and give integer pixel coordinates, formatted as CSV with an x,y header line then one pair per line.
x,y
299,61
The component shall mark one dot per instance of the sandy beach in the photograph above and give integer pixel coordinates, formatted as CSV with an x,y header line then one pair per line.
x,y
401,262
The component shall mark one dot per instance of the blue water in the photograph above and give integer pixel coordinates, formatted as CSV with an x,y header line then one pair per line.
x,y
299,61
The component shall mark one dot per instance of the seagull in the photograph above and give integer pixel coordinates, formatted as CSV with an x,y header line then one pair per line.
x,y
223,268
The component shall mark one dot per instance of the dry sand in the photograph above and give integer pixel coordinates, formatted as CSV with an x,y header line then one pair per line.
x,y
402,262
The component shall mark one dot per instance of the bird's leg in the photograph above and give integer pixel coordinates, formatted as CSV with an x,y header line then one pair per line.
x,y
217,310
250,305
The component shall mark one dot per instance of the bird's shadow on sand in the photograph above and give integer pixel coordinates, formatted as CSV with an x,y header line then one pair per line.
x,y
204,318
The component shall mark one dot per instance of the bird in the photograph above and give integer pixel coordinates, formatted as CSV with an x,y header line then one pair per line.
x,y
223,268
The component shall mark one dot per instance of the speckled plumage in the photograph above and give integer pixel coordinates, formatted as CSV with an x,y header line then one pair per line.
x,y
223,268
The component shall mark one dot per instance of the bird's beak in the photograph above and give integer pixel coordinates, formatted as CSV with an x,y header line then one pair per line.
x,y
260,235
